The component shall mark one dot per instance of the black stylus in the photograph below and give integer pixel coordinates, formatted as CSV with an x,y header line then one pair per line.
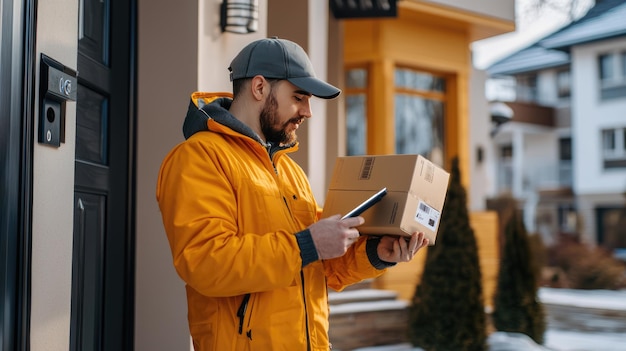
x,y
366,204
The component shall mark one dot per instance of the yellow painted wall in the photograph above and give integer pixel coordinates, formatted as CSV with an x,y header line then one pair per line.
x,y
404,277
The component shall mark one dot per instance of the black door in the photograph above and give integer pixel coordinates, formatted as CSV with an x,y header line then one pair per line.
x,y
103,255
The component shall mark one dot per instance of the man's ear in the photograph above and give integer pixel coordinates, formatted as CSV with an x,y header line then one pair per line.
x,y
258,87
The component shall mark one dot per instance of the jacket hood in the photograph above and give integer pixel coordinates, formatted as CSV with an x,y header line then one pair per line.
x,y
204,106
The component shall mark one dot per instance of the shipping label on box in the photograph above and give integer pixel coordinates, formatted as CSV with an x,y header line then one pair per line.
x,y
416,191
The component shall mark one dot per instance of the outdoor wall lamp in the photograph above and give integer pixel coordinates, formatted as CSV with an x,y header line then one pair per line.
x,y
239,16
501,113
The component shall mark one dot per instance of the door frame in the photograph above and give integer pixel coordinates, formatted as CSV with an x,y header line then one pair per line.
x,y
17,76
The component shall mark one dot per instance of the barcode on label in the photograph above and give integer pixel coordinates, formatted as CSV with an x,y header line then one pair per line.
x,y
366,168
428,216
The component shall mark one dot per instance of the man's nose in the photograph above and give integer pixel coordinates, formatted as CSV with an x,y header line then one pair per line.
x,y
305,110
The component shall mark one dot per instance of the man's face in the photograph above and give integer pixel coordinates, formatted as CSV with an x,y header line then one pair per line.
x,y
284,110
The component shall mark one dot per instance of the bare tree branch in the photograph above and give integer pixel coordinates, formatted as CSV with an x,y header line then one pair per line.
x,y
569,8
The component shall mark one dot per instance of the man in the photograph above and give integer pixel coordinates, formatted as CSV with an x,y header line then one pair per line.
x,y
240,216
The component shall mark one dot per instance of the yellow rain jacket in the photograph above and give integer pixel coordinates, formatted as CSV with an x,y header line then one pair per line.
x,y
235,211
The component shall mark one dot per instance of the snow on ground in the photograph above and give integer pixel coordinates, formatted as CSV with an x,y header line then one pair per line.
x,y
561,340
556,340
603,299
569,340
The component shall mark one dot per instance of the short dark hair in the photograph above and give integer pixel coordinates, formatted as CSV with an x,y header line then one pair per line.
x,y
238,84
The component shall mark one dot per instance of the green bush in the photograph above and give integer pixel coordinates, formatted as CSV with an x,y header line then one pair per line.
x,y
516,306
447,311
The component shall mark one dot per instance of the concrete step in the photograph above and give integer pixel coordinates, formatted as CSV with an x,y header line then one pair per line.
x,y
361,295
367,318
395,347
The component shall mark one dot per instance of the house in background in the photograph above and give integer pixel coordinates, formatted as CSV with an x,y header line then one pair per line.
x,y
562,155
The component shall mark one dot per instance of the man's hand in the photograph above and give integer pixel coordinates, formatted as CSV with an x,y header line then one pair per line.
x,y
397,249
333,236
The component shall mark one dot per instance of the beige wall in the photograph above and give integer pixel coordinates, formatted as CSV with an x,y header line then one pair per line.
x,y
482,173
217,49
53,193
167,71
311,30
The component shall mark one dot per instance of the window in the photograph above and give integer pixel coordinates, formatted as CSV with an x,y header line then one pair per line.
x,y
505,169
610,227
527,87
614,148
565,161
624,65
506,153
607,67
612,71
563,83
419,113
565,149
356,111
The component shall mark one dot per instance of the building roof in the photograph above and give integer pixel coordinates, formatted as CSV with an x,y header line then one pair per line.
x,y
606,19
532,58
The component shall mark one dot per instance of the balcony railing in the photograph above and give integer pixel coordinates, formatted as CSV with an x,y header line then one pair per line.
x,y
536,178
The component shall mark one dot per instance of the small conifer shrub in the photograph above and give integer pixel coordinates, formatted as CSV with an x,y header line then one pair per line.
x,y
516,305
447,311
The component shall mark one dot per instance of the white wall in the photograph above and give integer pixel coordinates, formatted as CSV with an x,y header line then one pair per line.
x,y
541,158
483,181
591,115
53,193
546,88
318,53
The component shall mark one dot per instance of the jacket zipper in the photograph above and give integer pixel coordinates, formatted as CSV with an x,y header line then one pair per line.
x,y
241,312
306,314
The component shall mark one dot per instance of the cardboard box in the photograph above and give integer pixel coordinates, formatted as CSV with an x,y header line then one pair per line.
x,y
416,191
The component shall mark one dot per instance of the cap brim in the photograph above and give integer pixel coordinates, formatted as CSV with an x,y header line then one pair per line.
x,y
316,87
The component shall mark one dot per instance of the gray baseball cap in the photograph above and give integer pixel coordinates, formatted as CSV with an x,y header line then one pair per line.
x,y
280,59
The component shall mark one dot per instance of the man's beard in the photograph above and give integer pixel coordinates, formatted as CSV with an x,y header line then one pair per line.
x,y
273,131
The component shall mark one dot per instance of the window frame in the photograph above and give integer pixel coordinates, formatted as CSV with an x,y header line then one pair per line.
x,y
613,147
564,83
527,87
438,93
352,91
612,74
17,74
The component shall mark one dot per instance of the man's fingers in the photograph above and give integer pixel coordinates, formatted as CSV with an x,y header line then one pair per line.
x,y
418,240
353,221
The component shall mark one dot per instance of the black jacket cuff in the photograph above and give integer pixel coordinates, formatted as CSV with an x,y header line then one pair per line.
x,y
308,252
371,248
